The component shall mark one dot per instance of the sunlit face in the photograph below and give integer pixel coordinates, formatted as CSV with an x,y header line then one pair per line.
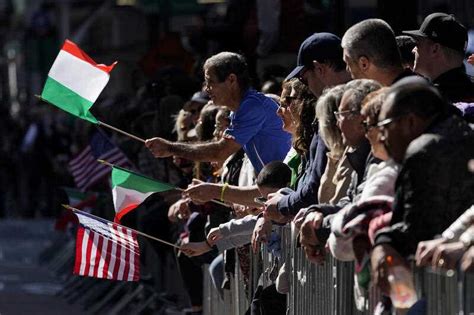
x,y
218,91
349,121
352,66
372,133
284,110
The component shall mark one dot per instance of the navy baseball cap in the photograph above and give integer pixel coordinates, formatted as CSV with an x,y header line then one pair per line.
x,y
319,47
444,29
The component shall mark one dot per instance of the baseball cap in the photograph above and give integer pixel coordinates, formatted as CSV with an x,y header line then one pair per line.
x,y
200,97
444,29
320,47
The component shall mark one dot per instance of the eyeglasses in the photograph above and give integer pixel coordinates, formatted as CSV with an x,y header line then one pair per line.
x,y
367,126
346,114
384,123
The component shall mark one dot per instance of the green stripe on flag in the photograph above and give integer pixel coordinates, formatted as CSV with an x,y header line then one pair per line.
x,y
68,100
128,179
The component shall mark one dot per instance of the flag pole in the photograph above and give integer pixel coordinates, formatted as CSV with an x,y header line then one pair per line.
x,y
100,123
138,232
177,188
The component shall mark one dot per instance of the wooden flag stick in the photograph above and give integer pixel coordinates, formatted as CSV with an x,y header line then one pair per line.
x,y
100,123
176,188
138,232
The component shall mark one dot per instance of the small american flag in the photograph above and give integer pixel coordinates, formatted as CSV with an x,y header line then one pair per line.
x,y
84,167
106,250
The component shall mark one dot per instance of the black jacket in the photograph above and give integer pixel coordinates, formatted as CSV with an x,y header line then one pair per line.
x,y
434,186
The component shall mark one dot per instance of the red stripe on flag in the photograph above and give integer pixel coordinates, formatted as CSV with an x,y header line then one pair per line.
x,y
124,211
74,50
88,252
78,260
126,268
98,257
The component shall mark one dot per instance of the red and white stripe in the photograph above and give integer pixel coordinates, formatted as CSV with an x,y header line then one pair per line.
x,y
110,252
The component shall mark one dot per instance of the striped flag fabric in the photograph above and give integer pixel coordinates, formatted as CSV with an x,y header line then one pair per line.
x,y
84,167
106,250
130,189
75,81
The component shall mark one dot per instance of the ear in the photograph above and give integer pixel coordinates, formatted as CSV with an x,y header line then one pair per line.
x,y
319,68
364,63
435,48
232,78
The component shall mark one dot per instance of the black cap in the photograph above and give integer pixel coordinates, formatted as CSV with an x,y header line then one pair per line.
x,y
319,47
444,29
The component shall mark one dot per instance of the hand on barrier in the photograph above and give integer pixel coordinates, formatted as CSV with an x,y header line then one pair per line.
x,y
159,147
425,250
467,260
261,233
299,218
201,192
214,235
446,256
314,250
271,211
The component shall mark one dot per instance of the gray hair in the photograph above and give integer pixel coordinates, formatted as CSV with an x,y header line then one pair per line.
x,y
327,104
374,39
359,89
225,63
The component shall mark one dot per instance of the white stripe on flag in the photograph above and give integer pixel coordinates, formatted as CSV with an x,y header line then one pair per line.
x,y
123,259
79,76
103,256
113,257
95,240
131,270
85,241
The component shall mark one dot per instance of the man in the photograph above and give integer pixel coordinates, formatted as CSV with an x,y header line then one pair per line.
x,y
440,48
371,52
254,123
319,65
434,186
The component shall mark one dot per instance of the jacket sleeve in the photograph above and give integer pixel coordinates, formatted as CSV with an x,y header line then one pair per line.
x,y
454,231
241,226
307,192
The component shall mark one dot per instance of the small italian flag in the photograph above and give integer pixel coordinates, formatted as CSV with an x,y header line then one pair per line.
x,y
75,82
130,189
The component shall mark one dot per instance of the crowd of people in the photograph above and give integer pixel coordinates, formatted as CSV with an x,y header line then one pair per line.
x,y
368,150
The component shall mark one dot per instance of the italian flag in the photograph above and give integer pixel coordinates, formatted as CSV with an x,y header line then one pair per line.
x,y
75,81
130,189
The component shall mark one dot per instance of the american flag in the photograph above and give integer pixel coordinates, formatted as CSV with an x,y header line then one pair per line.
x,y
106,250
84,167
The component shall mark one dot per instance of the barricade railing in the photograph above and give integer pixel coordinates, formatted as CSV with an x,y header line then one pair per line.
x,y
328,289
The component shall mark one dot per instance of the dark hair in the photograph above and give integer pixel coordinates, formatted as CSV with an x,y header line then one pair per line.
x,y
415,95
205,129
374,39
306,113
275,174
225,63
405,45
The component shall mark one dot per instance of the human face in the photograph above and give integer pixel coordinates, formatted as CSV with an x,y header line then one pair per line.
x,y
218,91
284,110
393,133
352,66
310,77
372,133
222,122
423,59
349,121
